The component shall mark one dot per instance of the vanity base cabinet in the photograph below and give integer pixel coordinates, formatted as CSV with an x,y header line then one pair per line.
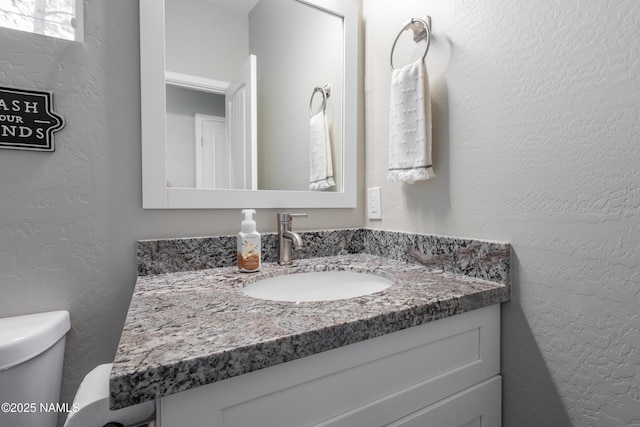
x,y
446,370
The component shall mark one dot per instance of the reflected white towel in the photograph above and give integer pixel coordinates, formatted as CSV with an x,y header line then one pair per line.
x,y
321,162
410,125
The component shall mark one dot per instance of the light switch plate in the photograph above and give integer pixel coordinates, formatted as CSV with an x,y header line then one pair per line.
x,y
374,203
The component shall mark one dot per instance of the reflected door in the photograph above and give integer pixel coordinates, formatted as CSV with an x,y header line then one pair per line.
x,y
212,152
241,113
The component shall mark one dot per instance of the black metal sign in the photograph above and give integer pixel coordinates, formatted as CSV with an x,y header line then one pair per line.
x,y
27,120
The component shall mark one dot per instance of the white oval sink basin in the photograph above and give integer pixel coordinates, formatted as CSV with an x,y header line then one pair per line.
x,y
317,286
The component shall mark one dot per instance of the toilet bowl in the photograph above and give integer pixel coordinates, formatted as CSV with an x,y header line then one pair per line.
x,y
31,356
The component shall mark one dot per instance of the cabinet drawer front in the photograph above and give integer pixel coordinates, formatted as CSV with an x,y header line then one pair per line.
x,y
381,379
477,406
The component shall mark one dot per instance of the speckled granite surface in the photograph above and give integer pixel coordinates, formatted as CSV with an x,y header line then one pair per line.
x,y
171,255
191,328
475,258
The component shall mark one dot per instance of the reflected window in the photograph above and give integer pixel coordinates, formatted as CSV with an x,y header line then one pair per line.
x,y
53,18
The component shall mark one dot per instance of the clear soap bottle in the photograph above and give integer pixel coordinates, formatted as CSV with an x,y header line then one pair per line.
x,y
249,244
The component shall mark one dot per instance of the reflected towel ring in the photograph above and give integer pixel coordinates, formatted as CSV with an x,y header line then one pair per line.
x,y
326,93
426,32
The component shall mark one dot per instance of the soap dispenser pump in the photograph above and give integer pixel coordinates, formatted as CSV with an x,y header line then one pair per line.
x,y
249,244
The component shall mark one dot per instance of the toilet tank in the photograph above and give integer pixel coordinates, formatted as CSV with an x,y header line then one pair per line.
x,y
31,356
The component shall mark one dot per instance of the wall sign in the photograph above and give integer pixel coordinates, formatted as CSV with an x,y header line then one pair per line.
x,y
27,120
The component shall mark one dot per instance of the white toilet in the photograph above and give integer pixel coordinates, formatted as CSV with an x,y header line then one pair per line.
x,y
31,356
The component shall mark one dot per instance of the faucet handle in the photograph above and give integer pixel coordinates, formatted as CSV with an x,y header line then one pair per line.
x,y
296,215
287,217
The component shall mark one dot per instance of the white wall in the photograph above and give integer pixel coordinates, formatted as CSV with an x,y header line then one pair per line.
x,y
69,220
298,47
536,135
207,40
199,33
182,106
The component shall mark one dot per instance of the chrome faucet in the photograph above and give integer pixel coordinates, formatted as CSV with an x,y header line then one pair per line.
x,y
287,239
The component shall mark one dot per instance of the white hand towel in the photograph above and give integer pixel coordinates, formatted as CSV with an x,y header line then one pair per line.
x,y
410,125
321,162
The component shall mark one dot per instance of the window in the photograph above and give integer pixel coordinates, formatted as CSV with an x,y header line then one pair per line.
x,y
54,18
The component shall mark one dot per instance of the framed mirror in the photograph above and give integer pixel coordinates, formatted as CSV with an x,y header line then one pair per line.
x,y
232,96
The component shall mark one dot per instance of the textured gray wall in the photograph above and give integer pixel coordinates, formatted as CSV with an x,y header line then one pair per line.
x,y
536,142
69,220
536,120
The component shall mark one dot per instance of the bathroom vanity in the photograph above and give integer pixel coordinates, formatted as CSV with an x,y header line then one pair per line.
x,y
425,348
446,372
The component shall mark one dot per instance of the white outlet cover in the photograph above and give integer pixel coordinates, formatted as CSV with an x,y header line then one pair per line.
x,y
374,203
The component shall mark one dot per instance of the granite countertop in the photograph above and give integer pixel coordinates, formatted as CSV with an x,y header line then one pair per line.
x,y
191,328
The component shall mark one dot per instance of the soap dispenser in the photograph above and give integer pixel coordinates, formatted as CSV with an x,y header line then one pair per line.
x,y
249,247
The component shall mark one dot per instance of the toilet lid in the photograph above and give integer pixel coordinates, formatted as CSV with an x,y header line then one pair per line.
x,y
24,337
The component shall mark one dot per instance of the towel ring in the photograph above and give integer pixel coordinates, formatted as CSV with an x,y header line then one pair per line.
x,y
426,32
326,93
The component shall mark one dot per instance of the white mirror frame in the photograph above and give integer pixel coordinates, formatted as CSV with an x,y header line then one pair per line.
x,y
156,194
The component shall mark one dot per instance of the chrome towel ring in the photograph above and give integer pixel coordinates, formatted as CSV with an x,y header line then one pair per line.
x,y
418,34
326,93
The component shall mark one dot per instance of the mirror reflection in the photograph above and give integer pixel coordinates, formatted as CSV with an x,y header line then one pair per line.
x,y
253,95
